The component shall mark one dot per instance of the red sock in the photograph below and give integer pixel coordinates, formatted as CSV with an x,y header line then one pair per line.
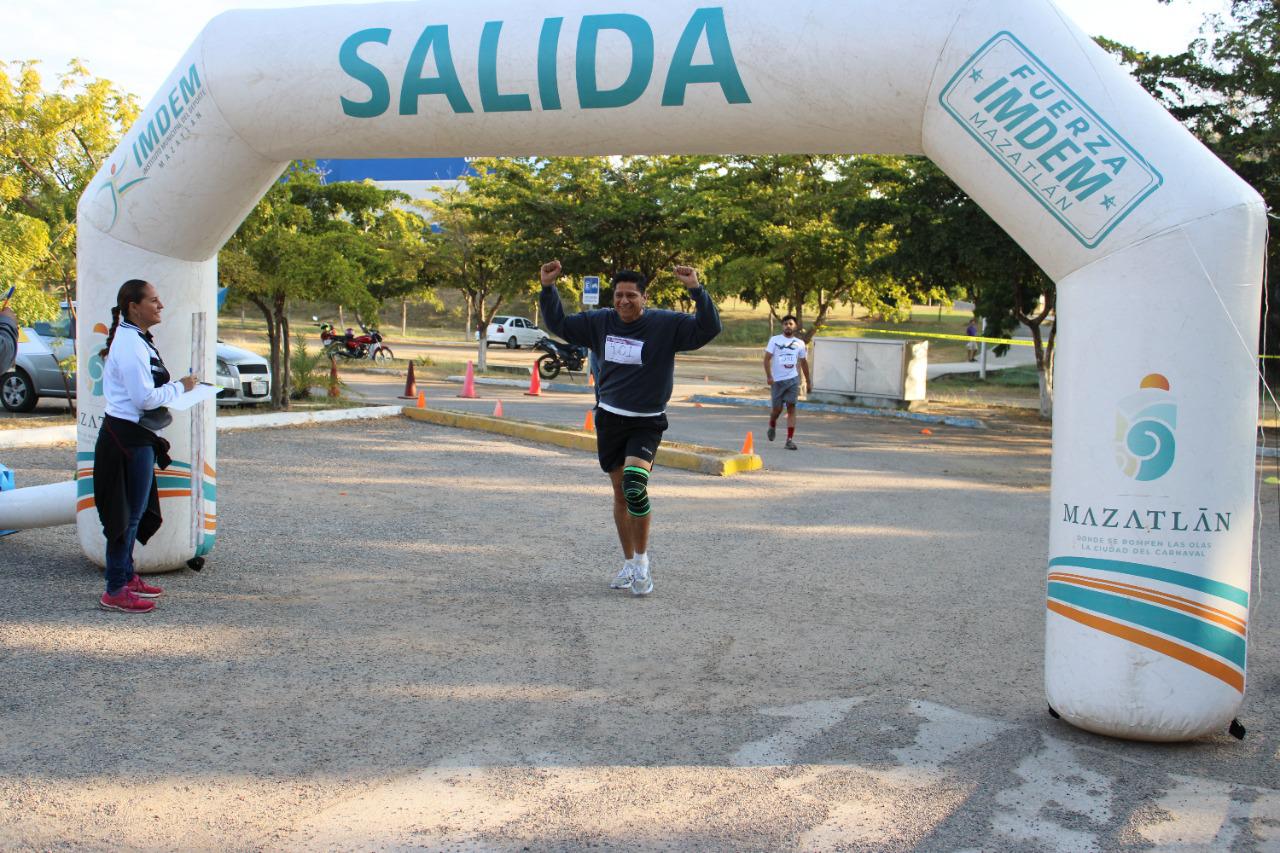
x,y
773,422
791,433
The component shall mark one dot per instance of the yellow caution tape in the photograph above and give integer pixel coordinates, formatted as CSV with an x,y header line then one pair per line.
x,y
967,338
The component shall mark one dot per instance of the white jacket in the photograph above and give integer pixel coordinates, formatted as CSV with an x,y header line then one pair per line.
x,y
128,381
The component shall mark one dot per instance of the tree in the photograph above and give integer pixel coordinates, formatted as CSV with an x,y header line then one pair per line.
x,y
1226,88
304,240
790,231
478,249
943,240
51,145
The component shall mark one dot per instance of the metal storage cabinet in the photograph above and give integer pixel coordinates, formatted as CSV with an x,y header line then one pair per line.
x,y
874,372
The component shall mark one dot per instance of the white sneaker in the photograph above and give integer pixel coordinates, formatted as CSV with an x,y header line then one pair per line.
x,y
641,581
623,579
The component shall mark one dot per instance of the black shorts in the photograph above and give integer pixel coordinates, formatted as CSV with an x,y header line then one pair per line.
x,y
618,436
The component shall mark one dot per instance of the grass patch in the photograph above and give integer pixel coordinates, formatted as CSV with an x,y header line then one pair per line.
x,y
1024,376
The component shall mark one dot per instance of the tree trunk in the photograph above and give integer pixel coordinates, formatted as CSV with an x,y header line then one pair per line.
x,y
342,322
285,348
482,329
274,344
468,326
404,318
1044,374
280,357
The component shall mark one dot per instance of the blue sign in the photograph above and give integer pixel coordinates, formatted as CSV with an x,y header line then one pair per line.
x,y
591,290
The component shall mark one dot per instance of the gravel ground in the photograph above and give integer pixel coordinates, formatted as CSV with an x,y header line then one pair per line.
x,y
405,640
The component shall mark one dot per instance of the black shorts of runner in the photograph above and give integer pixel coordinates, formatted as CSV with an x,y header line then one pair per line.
x,y
618,436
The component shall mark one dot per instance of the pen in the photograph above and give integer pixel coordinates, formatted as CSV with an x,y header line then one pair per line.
x,y
8,295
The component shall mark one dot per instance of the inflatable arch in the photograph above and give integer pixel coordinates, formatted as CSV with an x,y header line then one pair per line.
x,y
1156,246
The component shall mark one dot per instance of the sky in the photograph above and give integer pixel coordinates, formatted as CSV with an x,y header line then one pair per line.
x,y
135,43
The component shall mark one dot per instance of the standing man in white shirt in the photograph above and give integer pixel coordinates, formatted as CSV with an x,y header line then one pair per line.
x,y
784,361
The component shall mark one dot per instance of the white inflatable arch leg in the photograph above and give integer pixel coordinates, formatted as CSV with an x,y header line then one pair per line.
x,y
1157,247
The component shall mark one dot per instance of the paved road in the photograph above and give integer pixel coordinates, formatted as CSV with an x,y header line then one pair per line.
x,y
404,641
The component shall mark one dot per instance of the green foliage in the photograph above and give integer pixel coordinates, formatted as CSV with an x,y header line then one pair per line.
x,y
790,232
51,145
1226,88
308,240
305,367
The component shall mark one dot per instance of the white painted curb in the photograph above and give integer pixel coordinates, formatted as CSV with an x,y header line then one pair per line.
x,y
48,436
280,419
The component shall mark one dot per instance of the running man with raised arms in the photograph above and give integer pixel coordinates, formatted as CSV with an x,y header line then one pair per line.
x,y
635,349
784,360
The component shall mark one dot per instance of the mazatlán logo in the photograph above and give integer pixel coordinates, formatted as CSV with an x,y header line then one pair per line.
x,y
1145,425
96,365
1084,173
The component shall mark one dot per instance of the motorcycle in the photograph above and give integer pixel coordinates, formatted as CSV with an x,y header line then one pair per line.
x,y
559,357
349,345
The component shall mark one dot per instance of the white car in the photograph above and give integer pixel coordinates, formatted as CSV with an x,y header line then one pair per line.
x,y
245,377
513,332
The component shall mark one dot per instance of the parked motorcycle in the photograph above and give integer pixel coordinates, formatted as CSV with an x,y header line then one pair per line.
x,y
350,345
559,357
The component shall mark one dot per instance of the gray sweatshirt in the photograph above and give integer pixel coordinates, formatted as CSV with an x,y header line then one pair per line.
x,y
637,360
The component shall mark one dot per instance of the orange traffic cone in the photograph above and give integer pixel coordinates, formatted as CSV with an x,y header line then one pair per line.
x,y
589,424
410,385
926,431
748,445
469,384
497,409
591,379
422,400
333,378
535,384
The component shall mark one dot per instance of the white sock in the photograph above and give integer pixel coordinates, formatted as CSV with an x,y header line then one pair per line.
x,y
640,562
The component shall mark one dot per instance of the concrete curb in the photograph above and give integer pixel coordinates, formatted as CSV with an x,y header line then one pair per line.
x,y
516,383
688,457
919,417
47,436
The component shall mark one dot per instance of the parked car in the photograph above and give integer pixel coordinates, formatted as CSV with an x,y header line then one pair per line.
x,y
514,332
245,377
36,372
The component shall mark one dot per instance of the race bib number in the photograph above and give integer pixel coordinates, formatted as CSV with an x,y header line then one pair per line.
x,y
622,350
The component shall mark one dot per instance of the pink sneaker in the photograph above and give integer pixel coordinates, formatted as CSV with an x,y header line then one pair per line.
x,y
142,589
126,602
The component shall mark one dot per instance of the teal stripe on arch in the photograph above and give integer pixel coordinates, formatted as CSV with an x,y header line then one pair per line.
x,y
84,487
210,491
1181,626
84,456
1156,573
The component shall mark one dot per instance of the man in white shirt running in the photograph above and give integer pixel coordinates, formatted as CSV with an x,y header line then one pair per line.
x,y
784,360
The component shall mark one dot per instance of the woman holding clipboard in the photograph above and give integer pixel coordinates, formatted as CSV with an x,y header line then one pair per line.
x,y
137,388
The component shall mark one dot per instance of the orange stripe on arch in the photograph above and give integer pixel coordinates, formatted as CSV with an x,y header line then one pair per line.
x,y
85,503
208,469
1176,602
1204,663
175,493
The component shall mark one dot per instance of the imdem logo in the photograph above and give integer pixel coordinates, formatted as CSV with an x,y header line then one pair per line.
x,y
1145,425
117,186
1049,140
